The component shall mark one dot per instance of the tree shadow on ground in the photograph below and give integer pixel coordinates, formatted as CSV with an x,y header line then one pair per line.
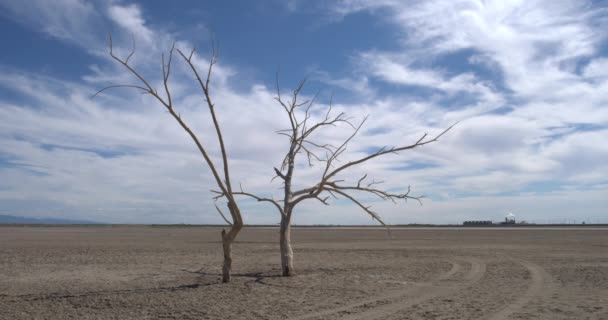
x,y
256,277
63,295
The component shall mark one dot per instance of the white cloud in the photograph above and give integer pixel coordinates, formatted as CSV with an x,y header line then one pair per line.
x,y
532,42
388,68
74,21
358,85
130,18
597,69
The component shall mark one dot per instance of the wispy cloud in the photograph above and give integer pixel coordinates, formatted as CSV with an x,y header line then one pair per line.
x,y
74,21
129,17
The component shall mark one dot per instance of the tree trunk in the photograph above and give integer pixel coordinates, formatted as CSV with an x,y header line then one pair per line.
x,y
228,238
227,266
285,241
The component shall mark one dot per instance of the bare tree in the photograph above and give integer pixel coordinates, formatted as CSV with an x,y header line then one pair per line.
x,y
299,133
222,179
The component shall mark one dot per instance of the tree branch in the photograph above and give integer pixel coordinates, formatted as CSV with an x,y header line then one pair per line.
x,y
222,214
168,104
251,195
383,151
382,194
145,90
205,88
367,209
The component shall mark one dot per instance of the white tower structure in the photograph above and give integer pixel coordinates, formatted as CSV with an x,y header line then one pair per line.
x,y
510,218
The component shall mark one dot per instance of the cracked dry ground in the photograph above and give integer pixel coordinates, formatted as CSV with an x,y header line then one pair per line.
x,y
139,272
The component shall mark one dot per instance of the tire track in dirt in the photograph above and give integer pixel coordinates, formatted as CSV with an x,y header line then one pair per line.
x,y
477,270
446,275
541,284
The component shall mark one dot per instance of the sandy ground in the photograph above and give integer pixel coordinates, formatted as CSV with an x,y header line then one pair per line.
x,y
173,273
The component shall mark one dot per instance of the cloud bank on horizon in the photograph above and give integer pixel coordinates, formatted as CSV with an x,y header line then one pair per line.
x,y
527,80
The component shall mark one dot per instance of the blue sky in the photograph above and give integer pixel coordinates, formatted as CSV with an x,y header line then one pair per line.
x,y
527,81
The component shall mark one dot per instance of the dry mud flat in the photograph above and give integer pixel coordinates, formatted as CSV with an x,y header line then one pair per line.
x,y
173,273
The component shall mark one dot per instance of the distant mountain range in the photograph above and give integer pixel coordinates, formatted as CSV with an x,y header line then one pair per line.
x,y
4,219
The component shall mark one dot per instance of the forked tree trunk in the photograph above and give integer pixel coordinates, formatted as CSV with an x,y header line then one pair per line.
x,y
285,242
228,239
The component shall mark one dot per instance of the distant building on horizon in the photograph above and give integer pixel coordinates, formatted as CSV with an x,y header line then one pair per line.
x,y
477,223
509,219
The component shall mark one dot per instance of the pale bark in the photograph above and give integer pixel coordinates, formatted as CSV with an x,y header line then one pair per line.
x,y
285,244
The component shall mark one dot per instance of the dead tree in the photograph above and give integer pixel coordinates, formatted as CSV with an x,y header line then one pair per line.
x,y
299,133
222,179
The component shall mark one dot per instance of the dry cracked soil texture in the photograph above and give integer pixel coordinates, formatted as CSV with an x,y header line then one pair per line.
x,y
145,272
